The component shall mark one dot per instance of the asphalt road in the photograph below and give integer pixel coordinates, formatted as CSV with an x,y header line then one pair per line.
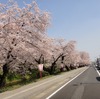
x,y
42,88
85,86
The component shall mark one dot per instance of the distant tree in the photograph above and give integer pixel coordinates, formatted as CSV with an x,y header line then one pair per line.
x,y
57,53
62,51
85,59
70,54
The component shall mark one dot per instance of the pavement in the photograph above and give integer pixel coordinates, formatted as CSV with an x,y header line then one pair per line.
x,y
85,86
44,88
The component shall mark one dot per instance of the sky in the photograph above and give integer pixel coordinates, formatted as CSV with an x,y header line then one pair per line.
x,y
77,20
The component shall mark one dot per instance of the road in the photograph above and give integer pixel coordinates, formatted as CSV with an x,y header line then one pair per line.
x,y
85,86
42,88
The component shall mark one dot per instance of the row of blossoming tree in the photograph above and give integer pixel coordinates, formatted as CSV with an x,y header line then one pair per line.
x,y
25,45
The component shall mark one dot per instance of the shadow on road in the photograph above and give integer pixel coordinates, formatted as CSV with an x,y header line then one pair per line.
x,y
98,78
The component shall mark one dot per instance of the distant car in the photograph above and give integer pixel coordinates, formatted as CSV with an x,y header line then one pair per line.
x,y
98,67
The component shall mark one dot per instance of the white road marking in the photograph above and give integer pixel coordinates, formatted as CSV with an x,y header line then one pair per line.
x,y
31,88
65,84
8,97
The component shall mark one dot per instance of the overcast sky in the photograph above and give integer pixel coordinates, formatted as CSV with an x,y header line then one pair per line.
x,y
73,20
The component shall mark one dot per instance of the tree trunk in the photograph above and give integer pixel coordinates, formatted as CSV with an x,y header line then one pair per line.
x,y
47,69
61,69
4,75
68,69
52,68
72,67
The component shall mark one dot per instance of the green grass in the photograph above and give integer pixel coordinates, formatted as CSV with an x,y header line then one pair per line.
x,y
17,84
15,81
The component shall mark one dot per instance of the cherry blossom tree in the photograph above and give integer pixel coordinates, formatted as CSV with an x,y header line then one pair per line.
x,y
70,54
24,41
56,53
21,31
61,52
75,58
85,59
